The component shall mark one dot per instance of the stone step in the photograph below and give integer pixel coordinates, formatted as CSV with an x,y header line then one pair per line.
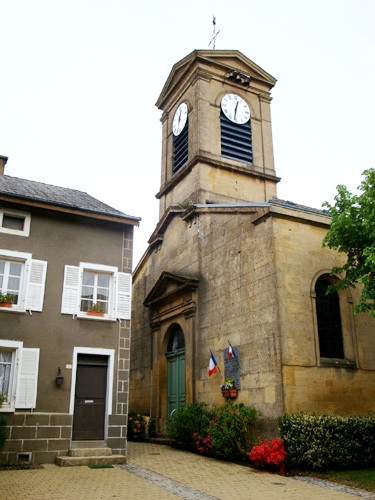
x,y
68,461
90,452
88,444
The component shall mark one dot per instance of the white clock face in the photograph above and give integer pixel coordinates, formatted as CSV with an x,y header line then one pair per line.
x,y
179,119
235,108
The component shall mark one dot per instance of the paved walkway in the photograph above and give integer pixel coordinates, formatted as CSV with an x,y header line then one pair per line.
x,y
157,472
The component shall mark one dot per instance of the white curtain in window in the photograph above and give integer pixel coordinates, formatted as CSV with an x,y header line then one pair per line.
x,y
5,369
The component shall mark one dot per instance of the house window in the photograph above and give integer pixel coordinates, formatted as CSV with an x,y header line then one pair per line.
x,y
18,375
89,284
329,321
10,278
14,222
6,374
96,289
11,222
24,278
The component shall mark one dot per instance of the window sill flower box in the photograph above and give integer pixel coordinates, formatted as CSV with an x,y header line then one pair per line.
x,y
6,300
95,313
6,304
96,310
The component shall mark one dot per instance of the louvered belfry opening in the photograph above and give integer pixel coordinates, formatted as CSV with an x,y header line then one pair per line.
x,y
329,321
180,149
236,142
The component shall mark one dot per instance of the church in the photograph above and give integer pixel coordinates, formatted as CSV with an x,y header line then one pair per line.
x,y
235,272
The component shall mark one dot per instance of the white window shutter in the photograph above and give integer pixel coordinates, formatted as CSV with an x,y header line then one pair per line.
x,y
36,285
70,297
123,295
27,379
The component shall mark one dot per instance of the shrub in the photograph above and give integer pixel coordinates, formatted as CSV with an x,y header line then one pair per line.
x,y
327,441
188,423
231,431
137,425
225,432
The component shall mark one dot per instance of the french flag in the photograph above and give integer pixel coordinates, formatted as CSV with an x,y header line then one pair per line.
x,y
231,352
212,367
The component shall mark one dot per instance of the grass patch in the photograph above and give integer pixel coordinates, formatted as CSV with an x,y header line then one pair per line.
x,y
361,478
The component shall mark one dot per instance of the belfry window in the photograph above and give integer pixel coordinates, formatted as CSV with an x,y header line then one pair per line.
x,y
329,321
236,140
180,148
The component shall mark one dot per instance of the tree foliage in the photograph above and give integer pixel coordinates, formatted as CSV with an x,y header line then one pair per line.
x,y
352,231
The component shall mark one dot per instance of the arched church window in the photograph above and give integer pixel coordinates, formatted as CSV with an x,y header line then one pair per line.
x,y
329,320
176,339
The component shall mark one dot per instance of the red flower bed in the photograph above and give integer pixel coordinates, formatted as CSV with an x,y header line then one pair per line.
x,y
269,453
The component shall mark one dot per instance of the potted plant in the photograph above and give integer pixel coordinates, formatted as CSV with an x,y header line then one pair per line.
x,y
228,389
6,299
96,309
3,398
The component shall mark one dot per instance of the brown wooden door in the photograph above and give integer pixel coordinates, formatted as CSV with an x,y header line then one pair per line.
x,y
90,397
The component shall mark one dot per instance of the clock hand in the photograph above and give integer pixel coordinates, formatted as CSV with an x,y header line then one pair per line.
x,y
235,110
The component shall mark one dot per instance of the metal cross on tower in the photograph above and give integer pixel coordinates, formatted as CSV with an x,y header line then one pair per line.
x,y
214,34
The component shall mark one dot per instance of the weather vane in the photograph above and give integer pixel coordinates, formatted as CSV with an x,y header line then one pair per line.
x,y
214,34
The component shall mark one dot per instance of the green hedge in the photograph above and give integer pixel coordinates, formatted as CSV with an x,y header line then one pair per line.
x,y
328,441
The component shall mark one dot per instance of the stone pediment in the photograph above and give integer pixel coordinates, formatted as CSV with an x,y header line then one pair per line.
x,y
219,63
168,287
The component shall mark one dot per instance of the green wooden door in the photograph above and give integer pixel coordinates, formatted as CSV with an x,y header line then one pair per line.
x,y
176,381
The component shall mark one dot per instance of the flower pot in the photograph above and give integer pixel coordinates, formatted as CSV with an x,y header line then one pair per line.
x,y
6,304
229,393
95,313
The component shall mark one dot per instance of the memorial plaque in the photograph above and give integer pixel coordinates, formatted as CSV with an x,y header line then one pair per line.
x,y
232,366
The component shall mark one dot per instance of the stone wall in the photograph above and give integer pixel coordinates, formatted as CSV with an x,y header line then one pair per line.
x,y
36,437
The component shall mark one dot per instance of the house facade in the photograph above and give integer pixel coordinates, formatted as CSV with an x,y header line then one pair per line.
x,y
63,372
230,264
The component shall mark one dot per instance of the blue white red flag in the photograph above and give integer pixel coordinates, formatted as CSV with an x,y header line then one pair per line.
x,y
212,367
231,351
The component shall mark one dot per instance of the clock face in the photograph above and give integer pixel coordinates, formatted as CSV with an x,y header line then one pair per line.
x,y
235,108
179,119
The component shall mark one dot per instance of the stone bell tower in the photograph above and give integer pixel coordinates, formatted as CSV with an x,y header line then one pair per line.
x,y
217,138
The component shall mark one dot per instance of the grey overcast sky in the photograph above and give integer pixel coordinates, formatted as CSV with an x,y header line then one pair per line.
x,y
80,78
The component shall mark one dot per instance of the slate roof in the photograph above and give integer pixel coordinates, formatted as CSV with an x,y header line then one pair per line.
x,y
276,202
297,206
33,191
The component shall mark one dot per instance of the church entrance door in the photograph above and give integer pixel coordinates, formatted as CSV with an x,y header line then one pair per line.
x,y
175,371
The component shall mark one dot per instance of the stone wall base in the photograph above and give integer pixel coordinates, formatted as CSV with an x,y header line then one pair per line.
x,y
37,438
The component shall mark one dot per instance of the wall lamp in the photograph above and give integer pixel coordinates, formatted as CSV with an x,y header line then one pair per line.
x,y
59,377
